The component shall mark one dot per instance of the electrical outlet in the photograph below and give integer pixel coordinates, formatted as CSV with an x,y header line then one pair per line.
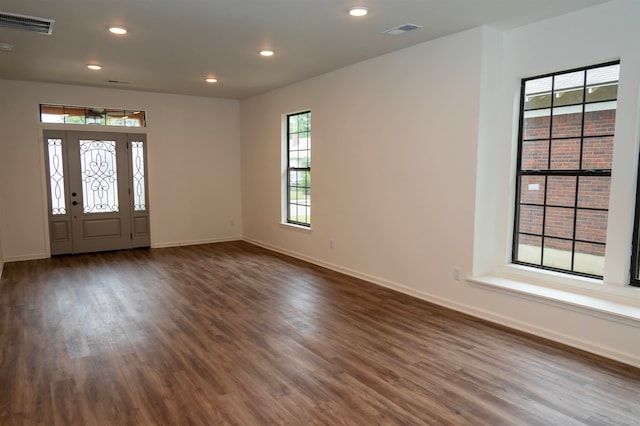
x,y
457,272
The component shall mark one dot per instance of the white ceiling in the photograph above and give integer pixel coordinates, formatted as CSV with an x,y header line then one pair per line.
x,y
174,44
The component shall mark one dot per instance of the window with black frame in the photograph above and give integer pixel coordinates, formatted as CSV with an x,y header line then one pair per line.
x,y
299,168
567,123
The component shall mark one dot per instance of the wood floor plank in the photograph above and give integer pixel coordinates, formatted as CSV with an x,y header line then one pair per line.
x,y
232,334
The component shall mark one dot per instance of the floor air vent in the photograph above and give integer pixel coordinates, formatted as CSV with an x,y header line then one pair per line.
x,y
27,23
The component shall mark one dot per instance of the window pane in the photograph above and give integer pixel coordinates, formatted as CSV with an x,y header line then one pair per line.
x,y
602,83
565,154
75,115
96,116
304,141
530,249
567,122
597,153
305,122
292,178
559,222
599,122
591,225
531,219
537,124
561,190
532,190
116,117
538,93
294,143
593,192
535,155
568,88
557,253
293,124
51,114
304,158
135,119
293,159
589,258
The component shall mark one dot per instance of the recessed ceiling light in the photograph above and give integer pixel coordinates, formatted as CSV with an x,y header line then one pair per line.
x,y
266,52
211,80
116,29
94,67
358,11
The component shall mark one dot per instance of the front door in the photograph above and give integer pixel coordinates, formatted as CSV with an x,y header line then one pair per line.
x,y
97,191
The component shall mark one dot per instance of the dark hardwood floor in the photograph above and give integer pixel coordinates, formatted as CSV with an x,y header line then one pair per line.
x,y
233,334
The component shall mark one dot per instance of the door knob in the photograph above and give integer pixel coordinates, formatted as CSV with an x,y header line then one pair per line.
x,y
75,203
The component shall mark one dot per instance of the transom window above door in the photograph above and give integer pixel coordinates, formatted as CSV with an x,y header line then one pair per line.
x,y
69,114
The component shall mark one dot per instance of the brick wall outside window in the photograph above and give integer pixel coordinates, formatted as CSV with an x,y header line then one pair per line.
x,y
597,153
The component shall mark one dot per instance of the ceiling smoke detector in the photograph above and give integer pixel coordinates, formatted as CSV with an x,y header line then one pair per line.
x,y
402,29
26,23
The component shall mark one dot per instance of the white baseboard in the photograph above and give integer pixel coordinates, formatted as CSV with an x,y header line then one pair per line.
x,y
24,257
627,358
195,242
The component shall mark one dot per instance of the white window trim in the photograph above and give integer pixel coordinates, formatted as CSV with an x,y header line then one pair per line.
x,y
295,227
284,175
612,298
618,306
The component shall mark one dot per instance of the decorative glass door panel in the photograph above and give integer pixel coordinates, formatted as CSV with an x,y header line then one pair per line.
x,y
97,191
138,175
99,174
56,176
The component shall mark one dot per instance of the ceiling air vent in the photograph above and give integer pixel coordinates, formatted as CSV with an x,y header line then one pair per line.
x,y
402,29
27,23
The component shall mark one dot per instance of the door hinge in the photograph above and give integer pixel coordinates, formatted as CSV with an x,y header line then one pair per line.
x,y
131,235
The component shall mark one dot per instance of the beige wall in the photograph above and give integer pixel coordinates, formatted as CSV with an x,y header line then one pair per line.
x,y
193,154
412,172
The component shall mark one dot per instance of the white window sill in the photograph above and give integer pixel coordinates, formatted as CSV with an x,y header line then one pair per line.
x,y
294,227
614,303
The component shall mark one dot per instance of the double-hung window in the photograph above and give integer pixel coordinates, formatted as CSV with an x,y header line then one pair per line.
x,y
565,151
299,169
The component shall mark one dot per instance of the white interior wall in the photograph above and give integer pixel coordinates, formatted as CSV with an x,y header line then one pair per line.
x,y
193,155
597,34
396,142
384,132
